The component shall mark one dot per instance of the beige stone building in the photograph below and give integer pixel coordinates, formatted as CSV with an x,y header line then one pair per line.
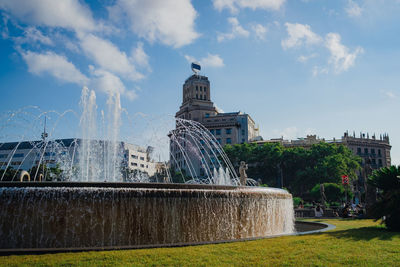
x,y
377,150
228,128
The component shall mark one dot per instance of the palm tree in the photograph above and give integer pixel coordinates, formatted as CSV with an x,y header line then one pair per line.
x,y
387,208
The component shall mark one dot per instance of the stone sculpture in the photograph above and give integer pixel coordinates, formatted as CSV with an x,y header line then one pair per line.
x,y
242,171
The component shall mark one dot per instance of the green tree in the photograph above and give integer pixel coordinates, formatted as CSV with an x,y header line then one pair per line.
x,y
298,167
333,192
387,208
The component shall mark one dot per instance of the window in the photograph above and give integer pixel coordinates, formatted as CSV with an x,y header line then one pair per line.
x,y
141,158
212,131
197,88
142,165
228,130
373,161
205,89
147,166
201,88
243,132
3,156
365,150
379,152
242,140
207,115
372,151
218,131
133,163
380,162
359,150
219,140
197,96
21,155
228,140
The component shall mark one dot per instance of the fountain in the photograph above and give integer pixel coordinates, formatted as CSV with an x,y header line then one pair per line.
x,y
86,212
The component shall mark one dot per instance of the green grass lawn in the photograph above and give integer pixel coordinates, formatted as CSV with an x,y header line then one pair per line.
x,y
352,243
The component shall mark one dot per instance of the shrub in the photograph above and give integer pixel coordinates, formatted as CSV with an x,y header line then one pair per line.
x,y
296,201
333,192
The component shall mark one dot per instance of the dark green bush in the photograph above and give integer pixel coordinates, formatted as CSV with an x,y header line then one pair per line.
x,y
296,201
387,208
333,192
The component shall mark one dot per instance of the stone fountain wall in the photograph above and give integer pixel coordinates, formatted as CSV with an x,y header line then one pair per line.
x,y
82,217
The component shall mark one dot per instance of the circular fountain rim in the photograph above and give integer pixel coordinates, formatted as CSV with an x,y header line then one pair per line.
x,y
172,186
27,251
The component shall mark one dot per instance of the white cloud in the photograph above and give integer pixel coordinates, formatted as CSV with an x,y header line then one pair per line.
x,y
304,59
70,14
389,94
353,9
236,31
299,34
190,59
209,61
131,95
108,56
106,81
234,5
109,83
340,57
140,57
170,22
260,31
33,35
212,61
55,65
319,70
71,46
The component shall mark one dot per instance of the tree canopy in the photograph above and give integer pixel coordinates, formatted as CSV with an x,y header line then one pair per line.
x,y
299,168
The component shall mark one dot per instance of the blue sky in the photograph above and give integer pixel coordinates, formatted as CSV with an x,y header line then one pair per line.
x,y
297,67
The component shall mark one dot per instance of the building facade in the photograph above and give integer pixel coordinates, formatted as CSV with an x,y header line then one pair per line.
x,y
226,128
65,152
372,149
374,152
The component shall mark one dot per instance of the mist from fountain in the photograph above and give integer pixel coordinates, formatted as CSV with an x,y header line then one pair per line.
x,y
99,156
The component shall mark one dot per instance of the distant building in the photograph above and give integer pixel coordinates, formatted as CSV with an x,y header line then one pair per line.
x,y
375,154
228,128
377,150
25,155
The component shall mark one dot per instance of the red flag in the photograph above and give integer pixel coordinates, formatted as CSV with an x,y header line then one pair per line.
x,y
345,179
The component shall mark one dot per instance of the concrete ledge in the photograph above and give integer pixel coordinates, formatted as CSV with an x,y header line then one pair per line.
x,y
317,227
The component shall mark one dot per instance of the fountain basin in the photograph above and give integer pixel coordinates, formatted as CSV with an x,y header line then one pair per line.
x,y
99,215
